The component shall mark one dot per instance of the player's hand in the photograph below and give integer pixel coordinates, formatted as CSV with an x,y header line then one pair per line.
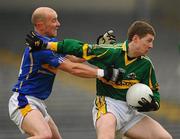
x,y
113,74
34,42
148,106
107,38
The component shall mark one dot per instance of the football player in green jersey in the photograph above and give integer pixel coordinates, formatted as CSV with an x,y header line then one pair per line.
x,y
111,113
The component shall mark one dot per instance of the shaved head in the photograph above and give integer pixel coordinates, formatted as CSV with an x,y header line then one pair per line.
x,y
45,21
40,14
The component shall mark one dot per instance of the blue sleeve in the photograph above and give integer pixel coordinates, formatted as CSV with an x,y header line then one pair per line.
x,y
51,58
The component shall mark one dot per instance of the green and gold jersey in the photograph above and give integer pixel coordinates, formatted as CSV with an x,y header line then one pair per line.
x,y
138,70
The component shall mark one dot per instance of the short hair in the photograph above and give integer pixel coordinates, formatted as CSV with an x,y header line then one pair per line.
x,y
40,14
140,28
37,16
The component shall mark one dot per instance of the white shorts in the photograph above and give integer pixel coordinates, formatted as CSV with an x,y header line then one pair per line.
x,y
126,116
19,106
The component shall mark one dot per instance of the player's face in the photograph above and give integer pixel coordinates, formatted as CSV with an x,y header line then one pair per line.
x,y
51,25
145,44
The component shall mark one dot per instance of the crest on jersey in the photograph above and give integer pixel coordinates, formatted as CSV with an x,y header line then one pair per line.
x,y
131,75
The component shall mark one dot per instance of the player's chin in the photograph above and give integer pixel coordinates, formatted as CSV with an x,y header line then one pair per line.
x,y
146,52
54,34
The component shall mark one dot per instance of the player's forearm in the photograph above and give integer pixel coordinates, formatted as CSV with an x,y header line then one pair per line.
x,y
86,71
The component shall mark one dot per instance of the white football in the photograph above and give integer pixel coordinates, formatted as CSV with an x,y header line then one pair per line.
x,y
136,92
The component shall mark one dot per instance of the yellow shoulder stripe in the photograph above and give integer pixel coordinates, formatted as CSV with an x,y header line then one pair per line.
x,y
88,57
85,56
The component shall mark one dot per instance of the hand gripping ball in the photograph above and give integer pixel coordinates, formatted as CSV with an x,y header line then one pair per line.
x,y
136,92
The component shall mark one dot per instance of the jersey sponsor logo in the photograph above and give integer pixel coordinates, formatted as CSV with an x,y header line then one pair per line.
x,y
124,84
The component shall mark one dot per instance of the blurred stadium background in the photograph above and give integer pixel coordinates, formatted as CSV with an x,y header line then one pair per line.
x,y
72,97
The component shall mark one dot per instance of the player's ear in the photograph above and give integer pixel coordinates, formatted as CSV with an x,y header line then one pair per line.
x,y
39,25
135,38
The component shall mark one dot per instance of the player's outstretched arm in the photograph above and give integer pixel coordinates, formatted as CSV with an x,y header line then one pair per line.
x,y
86,71
67,46
71,46
79,49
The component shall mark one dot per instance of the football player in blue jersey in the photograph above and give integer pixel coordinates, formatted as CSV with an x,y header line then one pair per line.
x,y
36,76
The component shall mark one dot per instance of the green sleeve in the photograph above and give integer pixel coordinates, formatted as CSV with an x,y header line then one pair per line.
x,y
150,80
71,46
154,84
85,50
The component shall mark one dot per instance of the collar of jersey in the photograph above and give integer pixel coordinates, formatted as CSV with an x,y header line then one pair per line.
x,y
125,49
45,38
125,46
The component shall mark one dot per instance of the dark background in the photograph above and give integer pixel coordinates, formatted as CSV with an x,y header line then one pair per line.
x,y
71,101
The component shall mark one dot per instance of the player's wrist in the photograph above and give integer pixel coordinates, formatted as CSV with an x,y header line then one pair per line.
x,y
52,46
100,73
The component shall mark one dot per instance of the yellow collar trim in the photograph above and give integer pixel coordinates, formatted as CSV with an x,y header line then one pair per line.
x,y
127,62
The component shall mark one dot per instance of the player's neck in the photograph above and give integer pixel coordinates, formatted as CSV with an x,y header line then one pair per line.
x,y
131,51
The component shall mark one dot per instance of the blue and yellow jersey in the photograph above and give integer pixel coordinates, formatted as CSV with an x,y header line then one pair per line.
x,y
37,72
